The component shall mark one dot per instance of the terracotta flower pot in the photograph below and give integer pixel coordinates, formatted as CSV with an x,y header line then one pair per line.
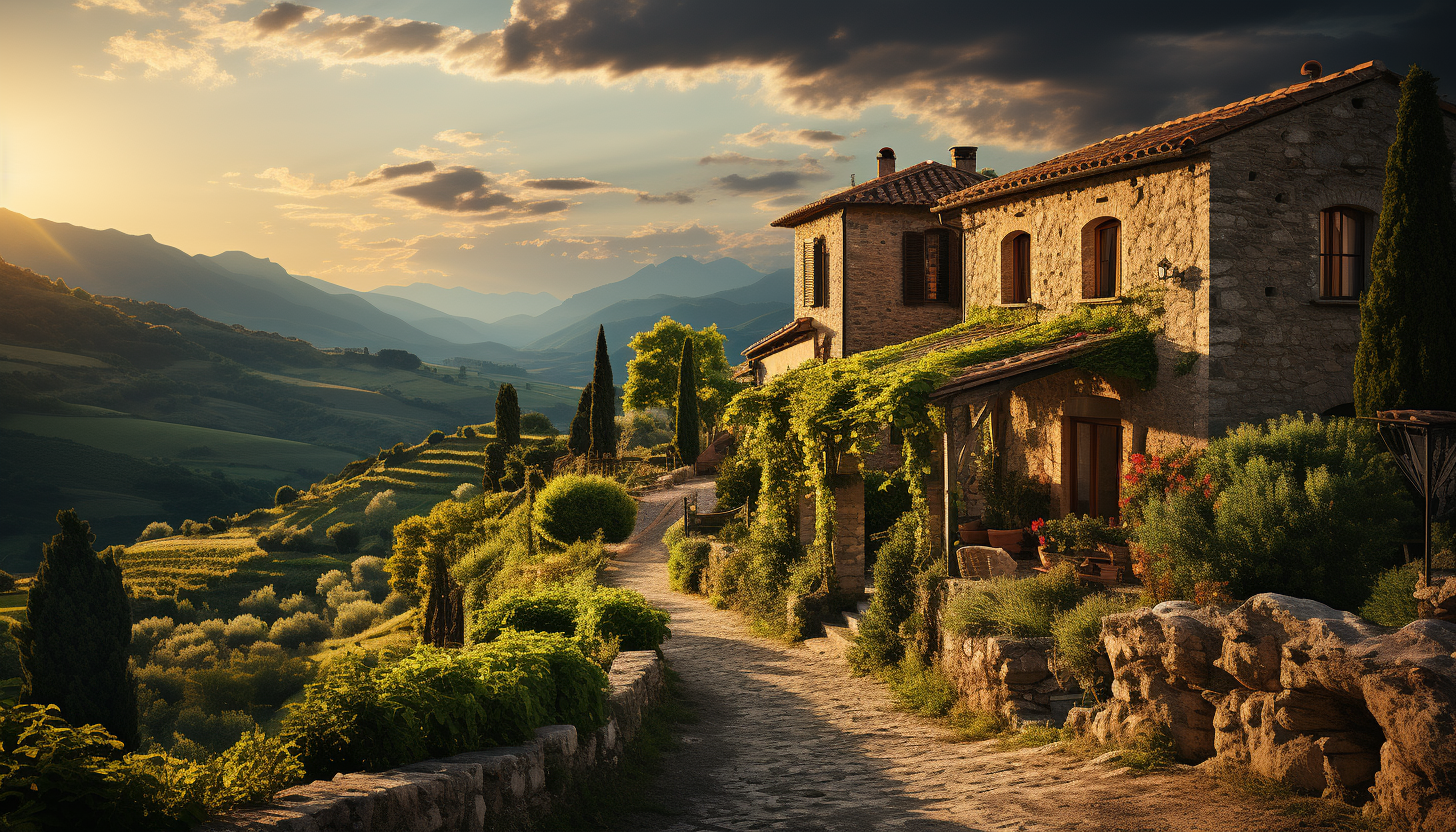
x,y
973,536
1008,539
1049,558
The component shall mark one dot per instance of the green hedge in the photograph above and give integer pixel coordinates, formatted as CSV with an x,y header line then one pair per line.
x,y
573,507
438,702
686,561
625,614
550,610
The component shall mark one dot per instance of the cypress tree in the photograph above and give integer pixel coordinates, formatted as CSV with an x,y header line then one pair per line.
x,y
686,439
73,648
1407,352
508,416
603,402
579,442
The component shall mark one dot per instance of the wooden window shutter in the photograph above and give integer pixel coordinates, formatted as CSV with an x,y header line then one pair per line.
x,y
821,272
955,280
806,288
1008,270
1089,262
913,266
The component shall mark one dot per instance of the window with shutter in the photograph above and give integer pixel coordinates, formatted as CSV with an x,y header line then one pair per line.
x,y
1101,258
821,272
937,265
806,275
1016,268
1342,253
912,259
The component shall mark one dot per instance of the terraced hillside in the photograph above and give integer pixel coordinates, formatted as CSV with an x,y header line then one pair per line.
x,y
221,569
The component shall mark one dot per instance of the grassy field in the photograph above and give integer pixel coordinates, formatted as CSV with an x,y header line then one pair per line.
x,y
35,355
12,605
232,453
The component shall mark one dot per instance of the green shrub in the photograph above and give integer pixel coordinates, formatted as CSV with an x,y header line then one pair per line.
x,y
345,536
331,580
285,539
878,644
262,602
1012,499
7,581
538,424
550,610
686,562
739,478
438,702
245,630
465,492
495,463
573,507
9,652
370,575
155,531
381,506
922,688
298,630
754,577
1013,607
354,617
435,437
1078,632
623,614
1304,507
148,633
673,534
219,524
284,495
1392,600
296,603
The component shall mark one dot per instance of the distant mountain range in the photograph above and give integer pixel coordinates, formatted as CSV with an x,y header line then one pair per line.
x,y
238,288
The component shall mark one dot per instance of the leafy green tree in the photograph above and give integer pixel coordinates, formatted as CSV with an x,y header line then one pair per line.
x,y
1407,339
495,466
73,648
508,416
686,438
580,440
537,424
604,403
284,495
652,375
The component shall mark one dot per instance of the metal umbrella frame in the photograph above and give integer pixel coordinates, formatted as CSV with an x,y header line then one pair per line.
x,y
1423,443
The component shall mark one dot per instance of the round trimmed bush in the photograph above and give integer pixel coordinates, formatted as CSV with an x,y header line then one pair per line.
x,y
625,614
284,495
435,437
685,563
573,507
299,629
551,610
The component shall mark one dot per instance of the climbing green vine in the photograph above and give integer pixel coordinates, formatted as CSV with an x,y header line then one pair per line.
x,y
800,425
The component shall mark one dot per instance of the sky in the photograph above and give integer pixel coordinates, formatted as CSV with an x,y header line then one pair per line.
x,y
554,145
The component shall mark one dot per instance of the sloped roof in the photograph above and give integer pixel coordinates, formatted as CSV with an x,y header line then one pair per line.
x,y
1171,139
1021,364
922,184
800,329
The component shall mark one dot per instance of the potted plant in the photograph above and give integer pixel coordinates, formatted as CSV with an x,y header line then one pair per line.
x,y
1113,541
1049,537
1013,501
1001,530
972,532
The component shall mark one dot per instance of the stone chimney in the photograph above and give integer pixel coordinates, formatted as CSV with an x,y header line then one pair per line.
x,y
964,158
887,161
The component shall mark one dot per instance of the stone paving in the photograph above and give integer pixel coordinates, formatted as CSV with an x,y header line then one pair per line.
x,y
787,739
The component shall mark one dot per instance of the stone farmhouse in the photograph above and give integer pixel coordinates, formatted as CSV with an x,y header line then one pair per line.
x,y
1251,224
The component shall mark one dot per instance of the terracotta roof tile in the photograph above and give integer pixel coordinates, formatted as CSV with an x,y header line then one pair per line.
x,y
800,329
1167,140
988,372
922,184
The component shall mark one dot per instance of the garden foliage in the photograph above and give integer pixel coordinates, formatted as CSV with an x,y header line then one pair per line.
x,y
573,507
687,559
1077,634
879,643
1010,607
508,416
686,435
603,401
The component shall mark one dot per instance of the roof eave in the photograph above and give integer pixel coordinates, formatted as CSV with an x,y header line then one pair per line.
x,y
1180,154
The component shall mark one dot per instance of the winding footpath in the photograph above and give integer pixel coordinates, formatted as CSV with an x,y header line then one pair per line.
x,y
787,739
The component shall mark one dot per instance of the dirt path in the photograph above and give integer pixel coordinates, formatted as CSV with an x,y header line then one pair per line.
x,y
787,739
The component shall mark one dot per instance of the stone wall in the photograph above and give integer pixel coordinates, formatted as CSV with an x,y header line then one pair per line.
x,y
1318,699
875,313
497,788
828,319
1013,677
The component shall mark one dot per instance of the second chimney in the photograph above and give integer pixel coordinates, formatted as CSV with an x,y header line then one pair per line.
x,y
887,161
964,158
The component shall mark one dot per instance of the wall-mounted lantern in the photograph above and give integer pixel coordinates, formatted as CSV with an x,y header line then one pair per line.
x,y
1166,270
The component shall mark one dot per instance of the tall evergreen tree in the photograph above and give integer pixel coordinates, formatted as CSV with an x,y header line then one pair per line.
x,y
508,416
604,401
579,442
1407,352
686,438
73,647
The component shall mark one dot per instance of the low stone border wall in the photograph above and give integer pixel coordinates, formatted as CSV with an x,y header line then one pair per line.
x,y
1013,677
1297,691
497,788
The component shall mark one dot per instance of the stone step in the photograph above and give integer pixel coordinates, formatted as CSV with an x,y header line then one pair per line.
x,y
839,638
863,607
851,620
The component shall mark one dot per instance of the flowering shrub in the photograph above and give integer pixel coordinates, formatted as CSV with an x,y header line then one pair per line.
x,y
1073,532
1151,477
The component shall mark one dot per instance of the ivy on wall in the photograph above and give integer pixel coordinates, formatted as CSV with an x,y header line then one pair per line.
x,y
801,424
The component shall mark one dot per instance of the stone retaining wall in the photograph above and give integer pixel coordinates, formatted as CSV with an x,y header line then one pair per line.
x,y
1013,677
497,788
1318,699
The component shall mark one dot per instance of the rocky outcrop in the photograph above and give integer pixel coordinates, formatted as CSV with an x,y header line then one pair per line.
x,y
1319,699
1438,599
496,788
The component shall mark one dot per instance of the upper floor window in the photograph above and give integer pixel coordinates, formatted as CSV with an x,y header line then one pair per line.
x,y
930,262
1342,253
1016,268
815,286
1101,258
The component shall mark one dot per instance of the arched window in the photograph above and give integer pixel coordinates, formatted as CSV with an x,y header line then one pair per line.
x,y
1343,252
1101,258
1016,268
814,289
931,272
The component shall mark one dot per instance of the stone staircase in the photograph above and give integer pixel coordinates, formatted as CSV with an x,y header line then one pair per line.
x,y
840,638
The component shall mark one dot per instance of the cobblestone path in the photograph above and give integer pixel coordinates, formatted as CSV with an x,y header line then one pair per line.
x,y
786,739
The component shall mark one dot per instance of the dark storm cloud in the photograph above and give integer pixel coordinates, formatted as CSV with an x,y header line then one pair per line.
x,y
396,171
575,184
782,180
280,16
458,190
733,158
1060,72
674,198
